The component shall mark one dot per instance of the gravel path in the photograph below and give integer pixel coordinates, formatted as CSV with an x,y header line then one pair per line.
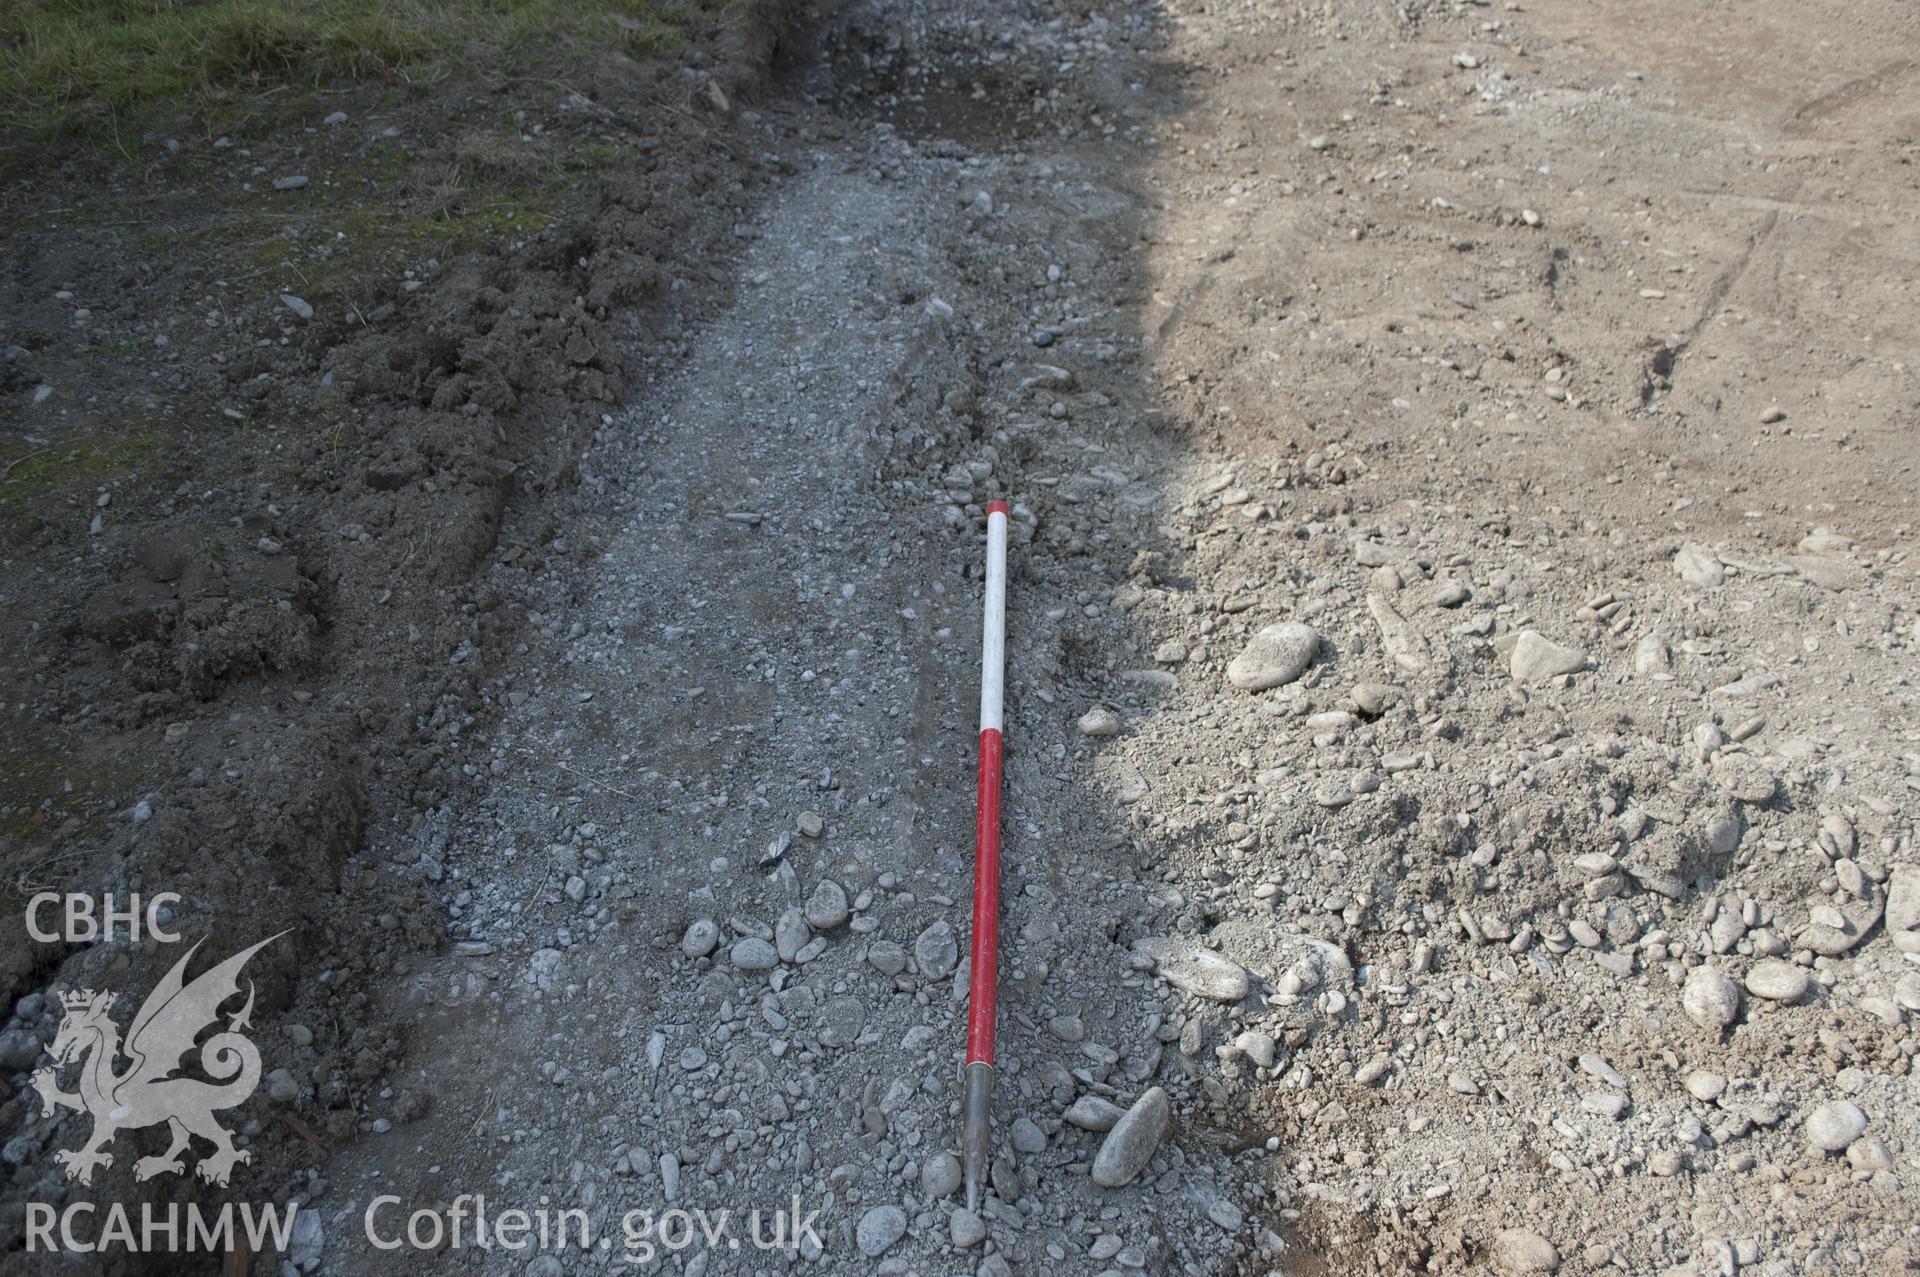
x,y
717,893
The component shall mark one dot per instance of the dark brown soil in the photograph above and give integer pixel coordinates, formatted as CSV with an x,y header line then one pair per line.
x,y
237,595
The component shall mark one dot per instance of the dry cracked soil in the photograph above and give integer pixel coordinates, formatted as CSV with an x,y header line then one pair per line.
x,y
1463,758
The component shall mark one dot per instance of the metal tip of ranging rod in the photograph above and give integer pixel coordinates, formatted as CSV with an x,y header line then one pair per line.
x,y
977,1129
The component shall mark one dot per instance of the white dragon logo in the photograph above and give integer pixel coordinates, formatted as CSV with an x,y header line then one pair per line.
x,y
146,1093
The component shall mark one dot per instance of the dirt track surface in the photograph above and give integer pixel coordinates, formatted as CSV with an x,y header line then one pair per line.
x,y
1553,366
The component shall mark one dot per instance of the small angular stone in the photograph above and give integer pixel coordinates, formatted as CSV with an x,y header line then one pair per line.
x,y
1777,981
1092,1113
1706,1087
1536,658
1903,899
937,951
827,906
790,935
1256,1046
1697,565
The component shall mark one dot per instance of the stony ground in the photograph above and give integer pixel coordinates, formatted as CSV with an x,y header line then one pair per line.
x,y
1462,753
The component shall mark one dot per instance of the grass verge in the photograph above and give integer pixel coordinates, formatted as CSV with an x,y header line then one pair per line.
x,y
75,63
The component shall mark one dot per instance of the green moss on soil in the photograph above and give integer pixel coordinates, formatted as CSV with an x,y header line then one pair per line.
x,y
67,63
36,472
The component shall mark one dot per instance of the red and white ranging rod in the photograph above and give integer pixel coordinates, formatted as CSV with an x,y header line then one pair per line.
x,y
977,1103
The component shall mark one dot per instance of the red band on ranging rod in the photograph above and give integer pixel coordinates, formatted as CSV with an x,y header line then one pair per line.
x,y
986,904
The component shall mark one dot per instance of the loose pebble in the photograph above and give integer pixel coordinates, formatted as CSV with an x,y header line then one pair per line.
x,y
879,1228
1711,998
1777,981
1835,1125
1133,1141
1278,655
